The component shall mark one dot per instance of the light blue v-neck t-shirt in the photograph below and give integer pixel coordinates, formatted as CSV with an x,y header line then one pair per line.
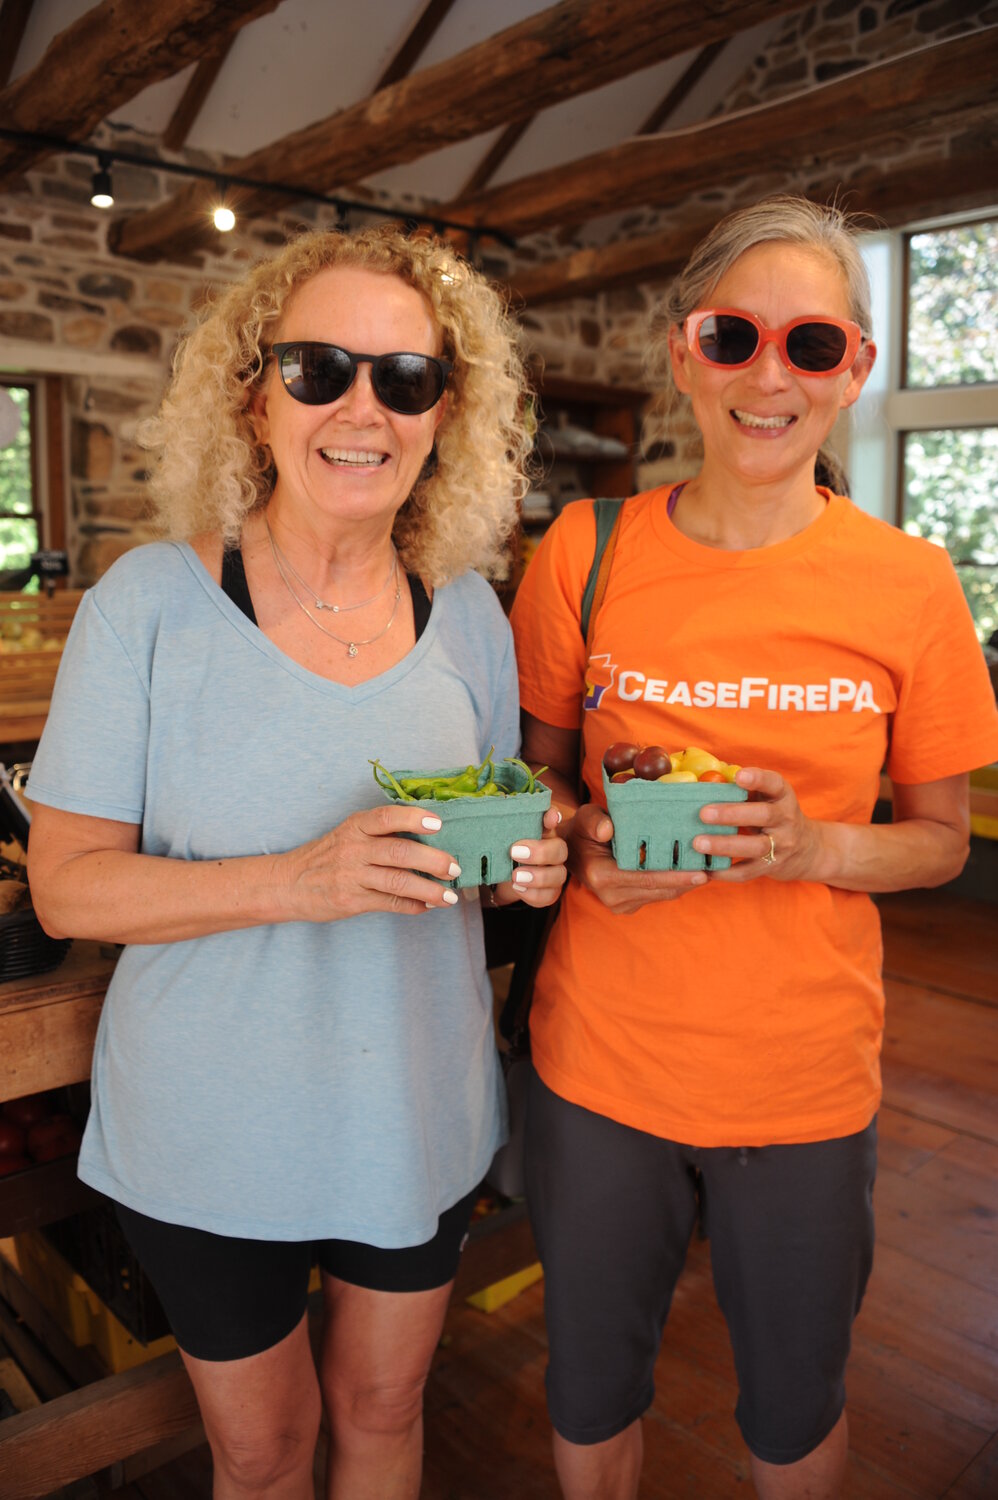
x,y
289,1081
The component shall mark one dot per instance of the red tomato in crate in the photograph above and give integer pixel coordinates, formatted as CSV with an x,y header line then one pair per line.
x,y
28,1111
12,1139
652,763
53,1138
10,1164
620,757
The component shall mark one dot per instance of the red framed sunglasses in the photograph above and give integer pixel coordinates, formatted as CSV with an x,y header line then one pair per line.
x,y
726,337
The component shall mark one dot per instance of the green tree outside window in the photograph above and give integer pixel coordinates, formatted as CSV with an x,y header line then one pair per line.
x,y
953,306
950,475
18,525
950,484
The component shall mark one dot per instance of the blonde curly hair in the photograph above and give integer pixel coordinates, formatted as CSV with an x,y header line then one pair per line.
x,y
210,471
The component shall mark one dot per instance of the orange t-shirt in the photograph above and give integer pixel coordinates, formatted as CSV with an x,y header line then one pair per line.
x,y
743,1014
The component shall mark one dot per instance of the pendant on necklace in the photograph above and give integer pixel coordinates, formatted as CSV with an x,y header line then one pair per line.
x,y
351,649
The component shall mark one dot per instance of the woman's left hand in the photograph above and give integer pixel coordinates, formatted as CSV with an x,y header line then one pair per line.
x,y
774,837
540,867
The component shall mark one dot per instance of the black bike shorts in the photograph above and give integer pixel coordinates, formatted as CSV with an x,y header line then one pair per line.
x,y
228,1298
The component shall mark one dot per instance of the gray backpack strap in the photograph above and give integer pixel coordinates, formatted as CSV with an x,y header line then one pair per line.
x,y
607,514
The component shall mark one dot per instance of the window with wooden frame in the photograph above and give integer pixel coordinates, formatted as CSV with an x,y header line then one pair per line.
x,y
32,509
946,408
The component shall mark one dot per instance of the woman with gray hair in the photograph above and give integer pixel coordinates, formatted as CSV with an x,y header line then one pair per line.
x,y
706,1040
296,1053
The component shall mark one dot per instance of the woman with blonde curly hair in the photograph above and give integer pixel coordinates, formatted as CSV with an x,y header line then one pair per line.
x,y
296,1052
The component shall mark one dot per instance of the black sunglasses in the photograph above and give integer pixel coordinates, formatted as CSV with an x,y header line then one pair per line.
x,y
317,374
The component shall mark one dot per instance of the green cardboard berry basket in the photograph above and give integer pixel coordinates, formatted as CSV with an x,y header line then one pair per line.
x,y
480,831
662,818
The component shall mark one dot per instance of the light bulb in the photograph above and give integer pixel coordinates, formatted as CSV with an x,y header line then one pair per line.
x,y
224,218
101,195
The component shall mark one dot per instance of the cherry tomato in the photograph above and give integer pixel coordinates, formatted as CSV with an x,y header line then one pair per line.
x,y
710,776
13,1164
620,757
652,762
619,776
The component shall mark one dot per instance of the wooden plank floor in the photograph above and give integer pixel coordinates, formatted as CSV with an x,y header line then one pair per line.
x,y
923,1377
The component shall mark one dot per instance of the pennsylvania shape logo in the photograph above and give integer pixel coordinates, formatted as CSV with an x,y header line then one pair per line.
x,y
600,675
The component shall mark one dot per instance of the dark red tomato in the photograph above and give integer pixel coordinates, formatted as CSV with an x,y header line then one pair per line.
x,y
620,757
12,1139
13,1164
59,1136
622,776
652,763
27,1111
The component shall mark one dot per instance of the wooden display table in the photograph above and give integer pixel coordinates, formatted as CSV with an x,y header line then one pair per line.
x,y
48,1024
47,1029
33,629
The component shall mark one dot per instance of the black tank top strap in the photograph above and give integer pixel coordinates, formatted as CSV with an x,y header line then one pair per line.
x,y
420,603
234,584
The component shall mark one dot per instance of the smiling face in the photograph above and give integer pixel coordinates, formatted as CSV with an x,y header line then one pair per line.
x,y
353,460
764,423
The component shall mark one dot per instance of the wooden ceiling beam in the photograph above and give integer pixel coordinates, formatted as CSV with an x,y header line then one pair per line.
x,y
109,55
13,19
963,181
599,268
426,25
198,88
569,49
511,136
682,86
208,69
659,115
806,130
497,154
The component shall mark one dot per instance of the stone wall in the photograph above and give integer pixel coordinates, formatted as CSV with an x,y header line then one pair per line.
x,y
108,326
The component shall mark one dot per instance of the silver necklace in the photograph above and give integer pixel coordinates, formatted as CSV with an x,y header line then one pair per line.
x,y
337,609
352,646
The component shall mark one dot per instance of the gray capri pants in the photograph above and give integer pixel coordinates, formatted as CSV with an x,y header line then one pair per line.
x,y
791,1245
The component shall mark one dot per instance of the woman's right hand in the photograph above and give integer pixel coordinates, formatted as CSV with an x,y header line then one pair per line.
x,y
591,861
365,864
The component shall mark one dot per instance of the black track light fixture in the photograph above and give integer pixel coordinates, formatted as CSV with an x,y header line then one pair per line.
x,y
101,191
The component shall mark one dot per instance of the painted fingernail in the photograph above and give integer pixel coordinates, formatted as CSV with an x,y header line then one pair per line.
x,y
432,823
451,897
453,870
523,877
519,851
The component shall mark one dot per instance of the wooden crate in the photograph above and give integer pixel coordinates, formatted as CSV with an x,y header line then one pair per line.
x,y
33,629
